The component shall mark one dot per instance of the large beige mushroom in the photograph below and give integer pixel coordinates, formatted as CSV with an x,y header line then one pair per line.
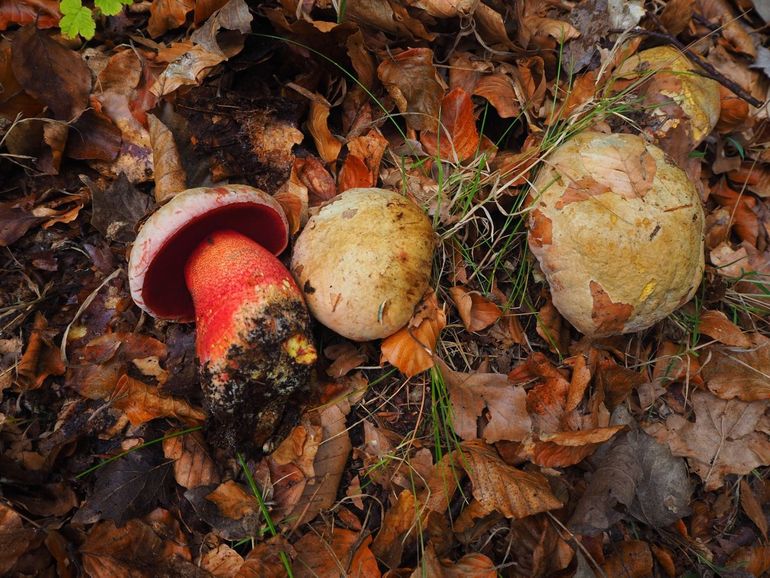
x,y
675,92
364,261
618,232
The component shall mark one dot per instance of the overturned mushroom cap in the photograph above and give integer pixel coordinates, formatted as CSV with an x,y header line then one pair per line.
x,y
675,79
364,261
618,232
168,237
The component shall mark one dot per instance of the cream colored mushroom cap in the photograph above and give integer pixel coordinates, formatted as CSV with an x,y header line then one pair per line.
x,y
618,231
364,261
699,95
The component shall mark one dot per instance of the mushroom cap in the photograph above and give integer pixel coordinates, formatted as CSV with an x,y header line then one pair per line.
x,y
618,231
168,237
677,78
364,261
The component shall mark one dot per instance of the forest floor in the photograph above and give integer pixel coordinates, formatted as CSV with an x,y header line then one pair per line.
x,y
489,437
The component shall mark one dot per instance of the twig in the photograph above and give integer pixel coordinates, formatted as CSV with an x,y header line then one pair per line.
x,y
709,70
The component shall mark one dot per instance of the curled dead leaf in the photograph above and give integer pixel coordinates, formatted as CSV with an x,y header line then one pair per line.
x,y
41,358
327,144
476,311
411,348
142,403
193,465
457,138
170,177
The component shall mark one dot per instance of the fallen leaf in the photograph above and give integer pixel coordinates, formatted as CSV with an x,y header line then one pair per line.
x,y
457,138
499,90
469,566
754,560
54,75
142,403
168,14
538,547
752,508
293,198
41,358
476,311
721,441
370,148
676,15
221,562
390,17
411,348
14,538
320,185
346,357
563,449
344,553
130,550
231,511
413,83
472,393
169,174
637,472
743,373
716,325
265,561
631,559
193,465
353,174
127,487
502,488
397,531
326,143
44,14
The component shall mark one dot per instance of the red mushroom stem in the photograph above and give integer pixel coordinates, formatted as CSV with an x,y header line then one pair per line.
x,y
253,338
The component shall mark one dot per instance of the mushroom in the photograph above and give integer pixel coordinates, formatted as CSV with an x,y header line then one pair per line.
x,y
618,231
364,261
209,255
676,92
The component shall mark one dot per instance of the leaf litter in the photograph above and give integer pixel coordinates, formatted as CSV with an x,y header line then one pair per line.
x,y
486,437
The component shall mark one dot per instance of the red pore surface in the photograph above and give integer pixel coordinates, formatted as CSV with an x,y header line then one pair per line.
x,y
165,292
231,278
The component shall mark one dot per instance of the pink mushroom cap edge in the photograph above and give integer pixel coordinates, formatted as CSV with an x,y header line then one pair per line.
x,y
161,249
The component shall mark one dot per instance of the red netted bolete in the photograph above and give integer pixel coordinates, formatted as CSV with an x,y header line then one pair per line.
x,y
208,255
618,231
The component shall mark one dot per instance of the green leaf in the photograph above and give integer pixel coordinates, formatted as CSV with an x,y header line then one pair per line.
x,y
77,19
111,7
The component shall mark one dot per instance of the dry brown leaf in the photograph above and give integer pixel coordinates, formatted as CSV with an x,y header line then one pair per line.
x,y
632,559
326,143
581,377
472,393
345,554
411,348
538,548
346,357
14,538
320,492
752,508
476,311
193,465
168,14
170,176
457,138
41,358
446,8
233,501
397,531
309,172
739,372
142,403
722,439
413,83
264,560
469,566
552,327
716,325
293,198
502,488
498,89
676,15
221,562
390,17
564,449
754,560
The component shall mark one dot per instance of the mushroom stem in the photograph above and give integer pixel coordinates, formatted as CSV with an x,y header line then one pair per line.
x,y
253,337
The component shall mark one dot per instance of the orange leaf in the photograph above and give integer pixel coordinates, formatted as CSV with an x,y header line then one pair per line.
x,y
498,89
397,530
41,359
293,198
741,373
354,173
716,325
459,138
193,465
327,144
411,348
753,508
14,538
320,555
221,562
142,403
752,559
476,311
502,488
233,501
369,147
309,171
564,449
168,14
632,559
